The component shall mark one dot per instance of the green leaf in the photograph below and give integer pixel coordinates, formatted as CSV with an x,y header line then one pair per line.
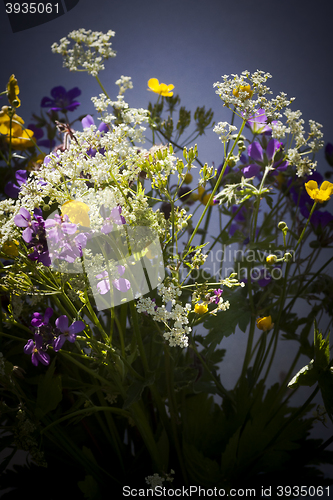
x,y
322,349
308,375
202,470
135,390
49,392
89,488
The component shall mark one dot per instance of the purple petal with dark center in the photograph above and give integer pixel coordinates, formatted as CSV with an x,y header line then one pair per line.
x,y
58,92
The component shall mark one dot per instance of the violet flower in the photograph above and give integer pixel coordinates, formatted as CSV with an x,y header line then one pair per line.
x,y
87,121
258,123
67,332
59,227
61,99
12,189
37,350
121,284
217,297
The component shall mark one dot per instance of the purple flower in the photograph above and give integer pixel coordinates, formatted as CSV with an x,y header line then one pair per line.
x,y
23,219
61,99
67,332
255,151
38,134
12,189
217,297
252,170
121,284
258,123
37,350
103,128
59,227
114,217
38,319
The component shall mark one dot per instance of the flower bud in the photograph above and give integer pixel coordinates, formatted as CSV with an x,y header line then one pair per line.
x,y
287,256
282,225
271,259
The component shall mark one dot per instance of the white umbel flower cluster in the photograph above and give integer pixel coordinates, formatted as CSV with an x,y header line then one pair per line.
x,y
175,319
221,130
90,50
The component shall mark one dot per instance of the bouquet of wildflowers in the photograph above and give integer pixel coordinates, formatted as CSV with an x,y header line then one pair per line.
x,y
113,321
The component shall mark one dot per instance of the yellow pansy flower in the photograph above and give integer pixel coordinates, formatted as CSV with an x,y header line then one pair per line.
x,y
160,88
77,212
13,90
243,88
265,323
200,308
20,139
319,194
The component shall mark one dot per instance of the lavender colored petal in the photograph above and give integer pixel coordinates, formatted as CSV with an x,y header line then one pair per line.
x,y
255,151
107,228
59,342
23,218
43,357
34,359
29,346
27,234
62,323
104,274
122,284
87,121
76,327
103,127
103,287
121,270
272,147
69,228
45,259
21,176
12,190
251,170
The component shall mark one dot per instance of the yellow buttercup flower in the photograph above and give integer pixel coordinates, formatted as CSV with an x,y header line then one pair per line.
x,y
202,197
13,90
319,194
77,212
10,248
265,323
271,259
200,308
160,88
13,130
243,88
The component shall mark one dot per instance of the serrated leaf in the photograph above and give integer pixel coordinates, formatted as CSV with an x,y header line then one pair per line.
x,y
308,375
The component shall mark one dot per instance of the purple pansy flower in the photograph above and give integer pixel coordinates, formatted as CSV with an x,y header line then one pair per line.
x,y
67,332
61,99
12,189
37,350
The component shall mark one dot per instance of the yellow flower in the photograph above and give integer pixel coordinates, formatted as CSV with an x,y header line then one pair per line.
x,y
77,212
243,88
188,178
200,308
200,196
271,259
20,139
265,323
322,194
13,91
10,248
160,88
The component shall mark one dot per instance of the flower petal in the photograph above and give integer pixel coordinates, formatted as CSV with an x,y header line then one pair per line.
x,y
62,323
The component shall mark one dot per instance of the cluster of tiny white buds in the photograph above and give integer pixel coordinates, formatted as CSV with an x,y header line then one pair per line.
x,y
124,84
221,130
90,50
